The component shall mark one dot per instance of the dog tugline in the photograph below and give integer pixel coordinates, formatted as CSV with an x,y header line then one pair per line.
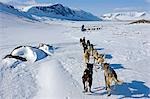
x,y
98,62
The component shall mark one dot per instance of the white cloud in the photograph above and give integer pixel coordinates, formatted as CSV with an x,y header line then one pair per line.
x,y
30,2
18,1
5,1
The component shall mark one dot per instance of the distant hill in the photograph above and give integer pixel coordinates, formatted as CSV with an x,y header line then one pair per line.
x,y
124,16
141,21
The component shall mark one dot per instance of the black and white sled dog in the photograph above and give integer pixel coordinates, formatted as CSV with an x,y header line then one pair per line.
x,y
87,77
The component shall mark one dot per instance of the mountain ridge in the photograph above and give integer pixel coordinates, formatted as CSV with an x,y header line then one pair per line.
x,y
57,11
126,15
61,12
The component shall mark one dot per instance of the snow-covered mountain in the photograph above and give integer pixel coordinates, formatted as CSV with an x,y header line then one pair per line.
x,y
61,12
57,11
5,8
123,16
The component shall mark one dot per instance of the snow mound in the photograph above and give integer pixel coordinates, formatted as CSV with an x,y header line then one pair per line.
x,y
31,54
25,52
17,80
126,16
46,48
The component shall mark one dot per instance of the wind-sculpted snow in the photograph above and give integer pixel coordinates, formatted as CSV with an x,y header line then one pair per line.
x,y
32,54
26,52
17,80
46,48
20,78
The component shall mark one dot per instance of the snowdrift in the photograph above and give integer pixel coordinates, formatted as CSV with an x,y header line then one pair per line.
x,y
31,54
21,83
17,80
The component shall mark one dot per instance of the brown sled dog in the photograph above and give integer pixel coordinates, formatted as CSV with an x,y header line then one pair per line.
x,y
86,56
83,44
100,59
87,77
110,75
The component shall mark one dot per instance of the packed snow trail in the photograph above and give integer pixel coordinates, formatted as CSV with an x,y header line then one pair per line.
x,y
55,82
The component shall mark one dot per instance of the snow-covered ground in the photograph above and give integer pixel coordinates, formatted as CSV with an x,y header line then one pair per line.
x,y
127,48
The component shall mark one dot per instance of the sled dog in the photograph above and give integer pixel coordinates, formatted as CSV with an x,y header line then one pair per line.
x,y
87,77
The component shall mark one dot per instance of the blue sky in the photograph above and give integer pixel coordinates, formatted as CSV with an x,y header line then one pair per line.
x,y
99,7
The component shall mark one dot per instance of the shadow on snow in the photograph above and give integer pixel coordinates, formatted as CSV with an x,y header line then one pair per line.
x,y
117,66
134,89
108,56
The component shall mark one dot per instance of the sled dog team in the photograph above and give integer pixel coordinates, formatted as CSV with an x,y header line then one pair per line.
x,y
88,29
109,73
